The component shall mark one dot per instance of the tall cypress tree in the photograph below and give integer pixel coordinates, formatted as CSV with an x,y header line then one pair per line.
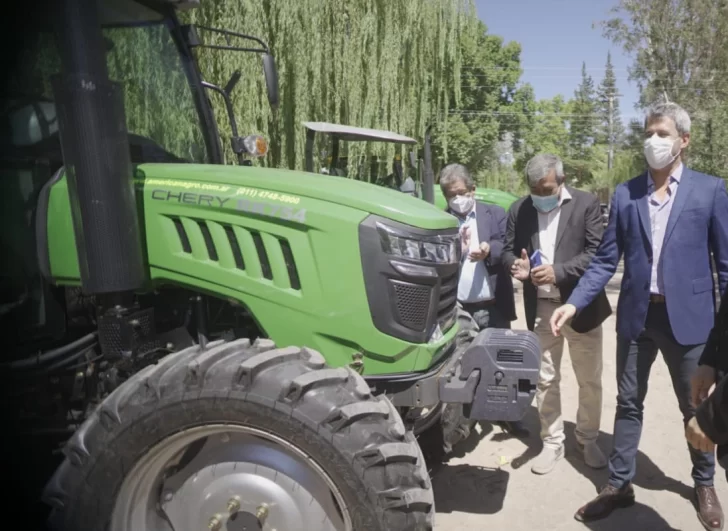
x,y
608,90
583,126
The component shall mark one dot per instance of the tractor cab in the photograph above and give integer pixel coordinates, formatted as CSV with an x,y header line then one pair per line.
x,y
148,56
415,180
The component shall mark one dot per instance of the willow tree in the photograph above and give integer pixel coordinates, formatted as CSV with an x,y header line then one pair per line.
x,y
387,64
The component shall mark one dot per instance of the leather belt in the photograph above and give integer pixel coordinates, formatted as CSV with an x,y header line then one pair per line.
x,y
654,297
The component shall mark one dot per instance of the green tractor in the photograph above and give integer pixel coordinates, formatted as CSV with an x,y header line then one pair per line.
x,y
214,346
422,185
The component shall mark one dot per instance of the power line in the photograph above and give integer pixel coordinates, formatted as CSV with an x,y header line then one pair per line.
x,y
534,113
550,68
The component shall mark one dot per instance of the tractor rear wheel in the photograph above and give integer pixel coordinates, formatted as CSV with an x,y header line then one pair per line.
x,y
242,436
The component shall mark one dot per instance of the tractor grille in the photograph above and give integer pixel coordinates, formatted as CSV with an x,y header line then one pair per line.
x,y
239,248
412,302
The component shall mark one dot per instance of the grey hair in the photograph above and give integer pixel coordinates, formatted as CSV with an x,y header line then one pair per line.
x,y
541,165
671,110
455,172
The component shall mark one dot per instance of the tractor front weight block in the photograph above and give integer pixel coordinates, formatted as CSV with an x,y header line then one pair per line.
x,y
495,377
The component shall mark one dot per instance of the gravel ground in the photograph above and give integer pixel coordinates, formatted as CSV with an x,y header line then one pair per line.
x,y
488,484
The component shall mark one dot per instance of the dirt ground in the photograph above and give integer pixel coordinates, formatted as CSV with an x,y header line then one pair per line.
x,y
488,483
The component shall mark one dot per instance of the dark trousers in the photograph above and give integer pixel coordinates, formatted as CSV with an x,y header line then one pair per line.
x,y
486,315
634,360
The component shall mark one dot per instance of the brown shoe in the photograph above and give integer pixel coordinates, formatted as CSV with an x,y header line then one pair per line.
x,y
609,498
710,512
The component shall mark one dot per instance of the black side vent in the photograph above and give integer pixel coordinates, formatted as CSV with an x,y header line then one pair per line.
x,y
211,251
290,264
262,255
510,356
235,246
412,302
182,233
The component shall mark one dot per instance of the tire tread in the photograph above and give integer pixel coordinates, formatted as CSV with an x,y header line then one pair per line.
x,y
334,403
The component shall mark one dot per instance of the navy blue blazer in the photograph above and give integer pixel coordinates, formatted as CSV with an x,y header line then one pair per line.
x,y
697,226
491,220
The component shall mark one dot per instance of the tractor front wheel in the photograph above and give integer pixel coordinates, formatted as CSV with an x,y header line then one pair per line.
x,y
242,436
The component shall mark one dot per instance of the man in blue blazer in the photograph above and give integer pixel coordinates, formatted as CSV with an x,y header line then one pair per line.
x,y
666,224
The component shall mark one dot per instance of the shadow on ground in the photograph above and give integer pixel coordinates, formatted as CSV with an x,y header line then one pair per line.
x,y
467,488
649,476
481,490
639,517
470,489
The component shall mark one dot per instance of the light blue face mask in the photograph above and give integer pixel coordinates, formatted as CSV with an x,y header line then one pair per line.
x,y
545,203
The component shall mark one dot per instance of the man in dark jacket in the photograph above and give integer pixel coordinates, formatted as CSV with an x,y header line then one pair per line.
x,y
485,289
709,426
564,226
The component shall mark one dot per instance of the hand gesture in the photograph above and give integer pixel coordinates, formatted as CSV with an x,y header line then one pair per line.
x,y
700,384
543,275
697,438
560,316
521,268
481,253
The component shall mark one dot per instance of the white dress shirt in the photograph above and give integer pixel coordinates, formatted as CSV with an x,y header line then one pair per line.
x,y
474,284
548,226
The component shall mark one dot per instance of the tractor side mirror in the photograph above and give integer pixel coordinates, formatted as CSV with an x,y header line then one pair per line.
x,y
271,79
412,160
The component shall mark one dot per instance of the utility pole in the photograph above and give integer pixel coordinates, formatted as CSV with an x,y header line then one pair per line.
x,y
610,157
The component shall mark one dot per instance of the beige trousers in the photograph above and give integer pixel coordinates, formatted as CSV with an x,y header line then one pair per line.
x,y
586,359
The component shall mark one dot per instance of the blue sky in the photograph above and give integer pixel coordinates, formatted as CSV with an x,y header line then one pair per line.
x,y
556,36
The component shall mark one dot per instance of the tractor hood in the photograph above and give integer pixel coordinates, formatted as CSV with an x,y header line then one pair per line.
x,y
359,195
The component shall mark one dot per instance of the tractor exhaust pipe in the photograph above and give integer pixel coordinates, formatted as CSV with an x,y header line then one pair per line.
x,y
428,179
96,155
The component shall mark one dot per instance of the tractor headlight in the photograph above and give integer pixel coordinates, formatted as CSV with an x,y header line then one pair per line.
x,y
437,249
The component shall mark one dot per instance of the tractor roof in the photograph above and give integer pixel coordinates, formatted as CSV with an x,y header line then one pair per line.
x,y
358,134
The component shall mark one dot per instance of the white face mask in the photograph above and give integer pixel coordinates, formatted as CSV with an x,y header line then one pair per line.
x,y
461,204
658,151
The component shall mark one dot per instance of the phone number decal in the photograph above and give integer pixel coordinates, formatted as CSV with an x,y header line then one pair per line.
x,y
266,194
276,211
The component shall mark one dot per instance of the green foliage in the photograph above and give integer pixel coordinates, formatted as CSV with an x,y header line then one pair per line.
x,y
680,51
391,65
157,99
547,130
488,88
